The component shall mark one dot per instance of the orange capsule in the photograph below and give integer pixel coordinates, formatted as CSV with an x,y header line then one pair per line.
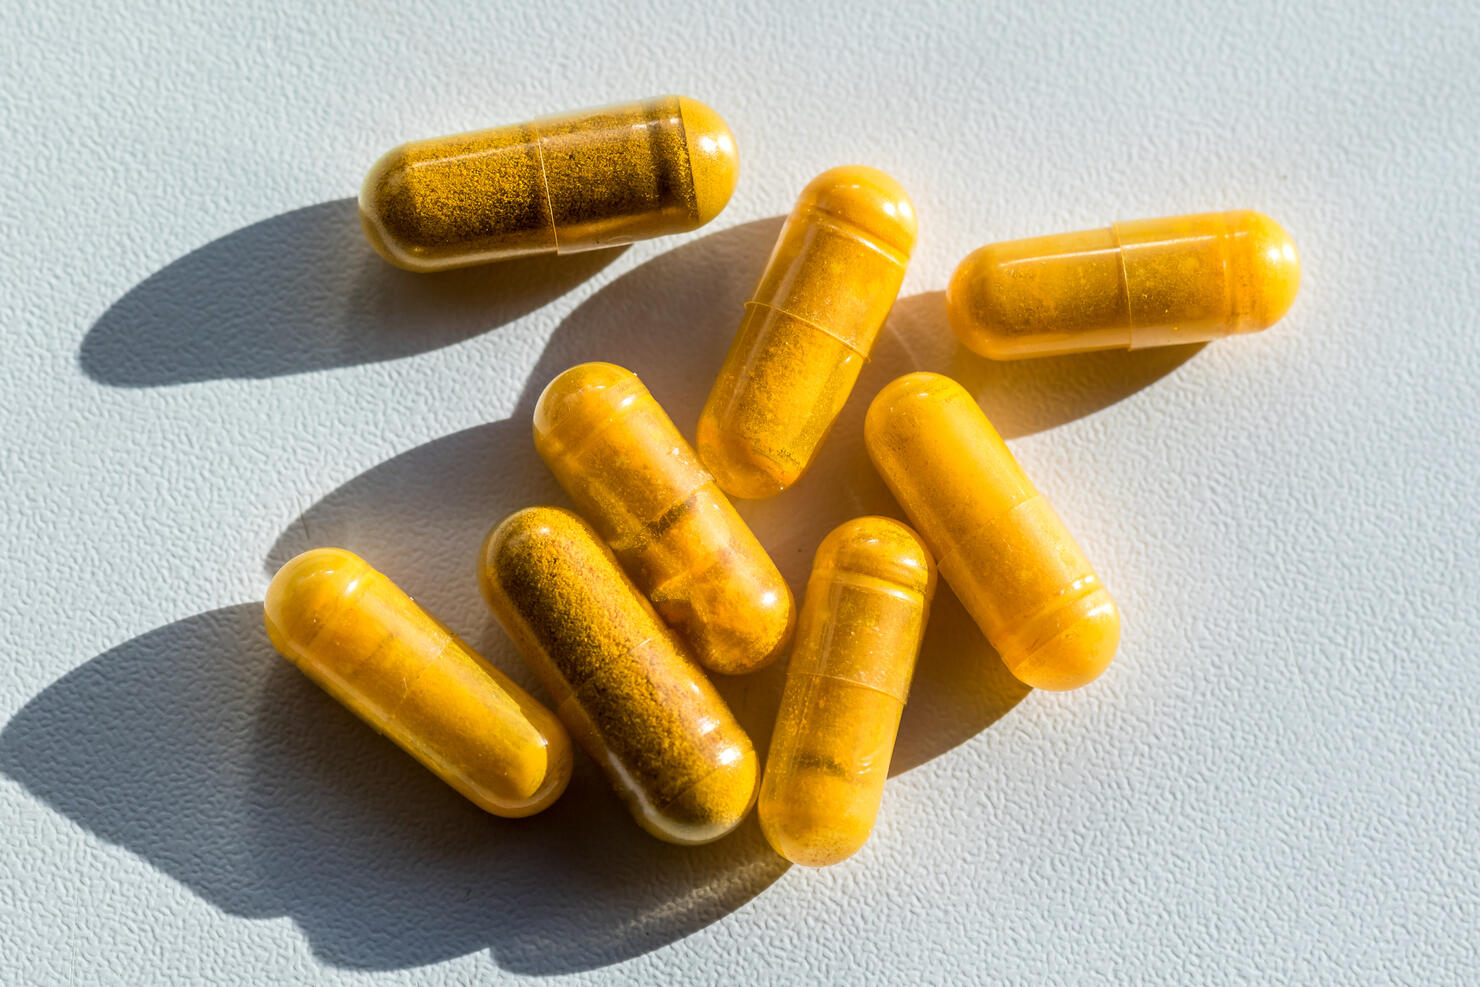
x,y
862,622
807,330
632,475
997,541
1152,282
368,645
621,681
577,181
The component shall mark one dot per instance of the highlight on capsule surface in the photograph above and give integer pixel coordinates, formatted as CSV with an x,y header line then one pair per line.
x,y
366,643
578,181
862,621
996,540
1154,282
635,479
807,330
621,681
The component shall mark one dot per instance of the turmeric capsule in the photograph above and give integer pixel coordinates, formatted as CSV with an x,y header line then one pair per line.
x,y
592,178
996,539
1152,282
632,475
862,621
368,645
621,680
807,330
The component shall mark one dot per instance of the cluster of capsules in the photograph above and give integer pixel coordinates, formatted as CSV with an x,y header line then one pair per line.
x,y
616,609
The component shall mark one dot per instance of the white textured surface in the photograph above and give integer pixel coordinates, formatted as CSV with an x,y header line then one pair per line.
x,y
205,371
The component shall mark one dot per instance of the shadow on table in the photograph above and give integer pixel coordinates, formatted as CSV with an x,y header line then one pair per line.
x,y
199,749
304,291
196,748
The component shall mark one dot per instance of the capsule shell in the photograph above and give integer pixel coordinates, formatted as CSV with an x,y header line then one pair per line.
x,y
1152,282
996,539
368,645
621,680
862,621
588,179
807,330
632,475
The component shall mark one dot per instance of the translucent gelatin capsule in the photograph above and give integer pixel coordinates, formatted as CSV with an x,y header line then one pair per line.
x,y
592,178
807,330
620,679
632,475
860,630
368,645
996,539
1152,282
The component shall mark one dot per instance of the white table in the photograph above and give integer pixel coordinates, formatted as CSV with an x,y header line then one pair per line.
x,y
206,371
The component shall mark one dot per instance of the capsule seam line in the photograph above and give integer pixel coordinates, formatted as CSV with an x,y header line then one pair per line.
x,y
860,234
539,148
688,154
862,685
811,325
1125,287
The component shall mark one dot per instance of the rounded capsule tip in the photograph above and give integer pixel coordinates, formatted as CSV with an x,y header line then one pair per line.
x,y
811,832
513,538
978,305
1077,654
739,468
713,806
900,399
713,159
306,592
389,214
880,547
867,198
573,396
1274,267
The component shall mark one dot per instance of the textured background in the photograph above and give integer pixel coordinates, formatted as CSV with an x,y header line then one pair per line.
x,y
205,371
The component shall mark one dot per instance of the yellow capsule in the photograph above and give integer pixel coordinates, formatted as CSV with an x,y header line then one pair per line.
x,y
862,622
632,475
621,680
592,178
996,539
1152,282
367,644
807,330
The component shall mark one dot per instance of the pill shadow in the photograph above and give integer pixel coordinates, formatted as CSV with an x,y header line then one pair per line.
x,y
1021,397
303,291
197,748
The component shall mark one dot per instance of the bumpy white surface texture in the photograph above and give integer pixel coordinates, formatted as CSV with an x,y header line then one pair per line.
x,y
206,371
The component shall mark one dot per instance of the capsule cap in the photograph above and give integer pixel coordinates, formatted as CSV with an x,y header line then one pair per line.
x,y
867,198
307,592
882,548
1273,267
713,159
1078,653
578,396
714,805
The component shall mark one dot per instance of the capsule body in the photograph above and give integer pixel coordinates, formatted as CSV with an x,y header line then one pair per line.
x,y
807,330
1152,282
620,679
368,645
587,179
996,539
632,475
862,621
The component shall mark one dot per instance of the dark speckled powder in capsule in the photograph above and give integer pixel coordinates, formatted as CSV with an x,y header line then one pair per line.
x,y
621,681
582,180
